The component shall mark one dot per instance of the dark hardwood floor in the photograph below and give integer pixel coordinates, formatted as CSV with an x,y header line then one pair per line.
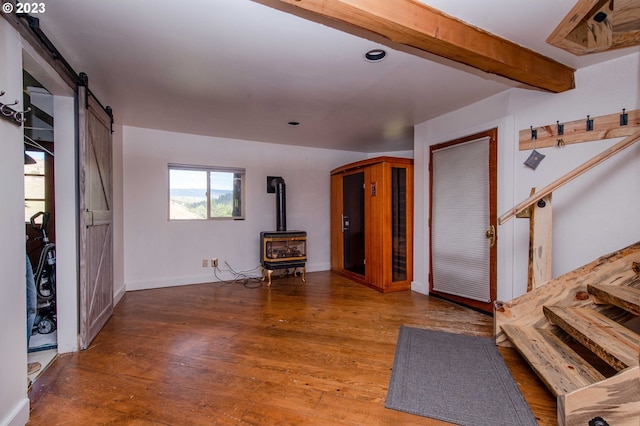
x,y
222,353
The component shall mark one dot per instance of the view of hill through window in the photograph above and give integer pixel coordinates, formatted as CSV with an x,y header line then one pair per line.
x,y
204,194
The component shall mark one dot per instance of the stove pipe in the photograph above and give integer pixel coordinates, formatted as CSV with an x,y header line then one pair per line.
x,y
281,203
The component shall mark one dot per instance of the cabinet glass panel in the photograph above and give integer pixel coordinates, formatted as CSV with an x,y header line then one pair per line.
x,y
353,222
399,223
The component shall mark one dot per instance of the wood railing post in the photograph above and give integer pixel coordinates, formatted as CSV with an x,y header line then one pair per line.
x,y
540,242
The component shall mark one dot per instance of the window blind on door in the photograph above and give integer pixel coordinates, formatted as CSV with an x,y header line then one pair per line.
x,y
460,219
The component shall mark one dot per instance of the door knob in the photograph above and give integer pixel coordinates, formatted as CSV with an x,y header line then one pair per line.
x,y
491,235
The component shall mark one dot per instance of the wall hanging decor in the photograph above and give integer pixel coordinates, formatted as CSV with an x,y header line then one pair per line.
x,y
535,158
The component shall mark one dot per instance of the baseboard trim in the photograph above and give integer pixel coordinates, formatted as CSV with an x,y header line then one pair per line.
x,y
420,287
19,416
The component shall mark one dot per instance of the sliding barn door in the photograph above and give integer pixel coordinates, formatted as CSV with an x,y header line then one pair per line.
x,y
96,228
463,218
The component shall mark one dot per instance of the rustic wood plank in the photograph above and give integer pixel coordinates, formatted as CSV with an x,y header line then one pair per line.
x,y
561,34
223,353
568,290
627,16
558,366
614,399
593,36
627,298
615,344
580,34
600,34
631,38
604,127
540,243
414,24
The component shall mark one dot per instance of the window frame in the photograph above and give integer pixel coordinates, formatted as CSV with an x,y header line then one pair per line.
x,y
209,170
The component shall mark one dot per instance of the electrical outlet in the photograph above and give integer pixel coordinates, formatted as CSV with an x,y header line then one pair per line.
x,y
204,263
214,262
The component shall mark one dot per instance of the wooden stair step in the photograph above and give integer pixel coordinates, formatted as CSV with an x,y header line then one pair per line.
x,y
560,368
615,344
627,298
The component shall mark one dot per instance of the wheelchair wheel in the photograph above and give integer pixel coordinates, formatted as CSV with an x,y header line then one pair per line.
x,y
46,325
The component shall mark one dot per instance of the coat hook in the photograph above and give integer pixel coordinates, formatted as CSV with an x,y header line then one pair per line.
x,y
10,112
624,118
589,124
1,92
534,133
560,128
22,117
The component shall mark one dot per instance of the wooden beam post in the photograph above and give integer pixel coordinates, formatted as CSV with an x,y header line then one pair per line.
x,y
414,24
540,243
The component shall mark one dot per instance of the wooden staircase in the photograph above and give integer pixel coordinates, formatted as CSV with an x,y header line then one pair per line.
x,y
578,333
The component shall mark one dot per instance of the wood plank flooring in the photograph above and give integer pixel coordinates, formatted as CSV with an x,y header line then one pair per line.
x,y
318,353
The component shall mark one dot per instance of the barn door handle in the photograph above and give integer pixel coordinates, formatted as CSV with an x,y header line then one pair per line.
x,y
491,235
88,218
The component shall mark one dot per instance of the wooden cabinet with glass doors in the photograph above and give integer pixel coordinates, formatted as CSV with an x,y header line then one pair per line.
x,y
372,222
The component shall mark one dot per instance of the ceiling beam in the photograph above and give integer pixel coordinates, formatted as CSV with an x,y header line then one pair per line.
x,y
417,25
593,26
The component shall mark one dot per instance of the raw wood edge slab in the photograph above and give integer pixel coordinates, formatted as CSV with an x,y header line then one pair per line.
x,y
612,269
612,342
627,298
560,368
614,399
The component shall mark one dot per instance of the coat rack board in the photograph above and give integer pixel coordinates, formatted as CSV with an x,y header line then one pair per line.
x,y
604,127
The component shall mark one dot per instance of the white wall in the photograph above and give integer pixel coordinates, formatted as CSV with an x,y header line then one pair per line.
x,y
593,215
160,253
14,405
401,154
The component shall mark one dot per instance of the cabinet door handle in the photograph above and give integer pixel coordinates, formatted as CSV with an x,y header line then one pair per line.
x,y
345,223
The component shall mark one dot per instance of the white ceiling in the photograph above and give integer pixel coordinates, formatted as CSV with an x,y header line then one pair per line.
x,y
242,70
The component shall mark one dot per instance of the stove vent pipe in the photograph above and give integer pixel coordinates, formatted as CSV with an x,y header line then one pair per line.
x,y
281,203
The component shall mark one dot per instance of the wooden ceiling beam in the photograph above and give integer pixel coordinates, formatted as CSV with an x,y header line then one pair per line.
x,y
417,25
583,31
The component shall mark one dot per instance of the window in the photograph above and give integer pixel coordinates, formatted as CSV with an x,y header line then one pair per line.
x,y
34,184
201,193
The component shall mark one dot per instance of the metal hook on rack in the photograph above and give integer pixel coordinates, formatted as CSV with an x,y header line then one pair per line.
x,y
22,117
624,117
10,114
10,111
589,123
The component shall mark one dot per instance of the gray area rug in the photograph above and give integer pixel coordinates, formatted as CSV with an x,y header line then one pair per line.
x,y
456,378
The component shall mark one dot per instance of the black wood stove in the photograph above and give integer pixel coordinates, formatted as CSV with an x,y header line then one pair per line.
x,y
282,249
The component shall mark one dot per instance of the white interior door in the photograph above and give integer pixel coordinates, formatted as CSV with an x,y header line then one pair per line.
x,y
462,236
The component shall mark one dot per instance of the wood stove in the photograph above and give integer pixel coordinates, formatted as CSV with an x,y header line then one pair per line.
x,y
282,249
